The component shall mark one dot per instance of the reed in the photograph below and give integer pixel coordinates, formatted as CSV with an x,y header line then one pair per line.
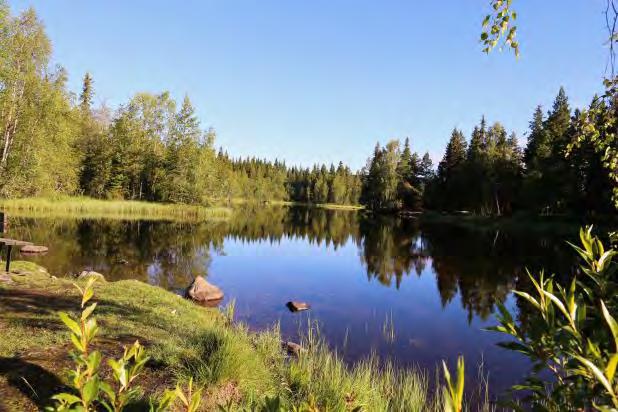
x,y
85,207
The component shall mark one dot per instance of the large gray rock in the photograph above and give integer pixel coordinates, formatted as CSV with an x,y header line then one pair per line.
x,y
202,291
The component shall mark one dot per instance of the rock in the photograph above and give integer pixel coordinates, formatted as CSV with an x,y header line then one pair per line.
x,y
292,349
294,306
202,291
33,249
90,273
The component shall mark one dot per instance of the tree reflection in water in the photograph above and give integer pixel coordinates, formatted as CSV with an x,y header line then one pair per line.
x,y
481,265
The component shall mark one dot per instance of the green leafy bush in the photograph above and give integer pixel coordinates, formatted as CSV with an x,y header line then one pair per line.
x,y
570,332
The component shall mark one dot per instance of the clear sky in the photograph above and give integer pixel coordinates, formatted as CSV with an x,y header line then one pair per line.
x,y
323,80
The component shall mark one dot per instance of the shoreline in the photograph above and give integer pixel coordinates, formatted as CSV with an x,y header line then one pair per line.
x,y
89,208
186,340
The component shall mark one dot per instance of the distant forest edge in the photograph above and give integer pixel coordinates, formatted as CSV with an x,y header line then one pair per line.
x,y
152,148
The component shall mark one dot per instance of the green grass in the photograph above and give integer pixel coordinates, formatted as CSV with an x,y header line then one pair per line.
x,y
84,207
235,365
321,374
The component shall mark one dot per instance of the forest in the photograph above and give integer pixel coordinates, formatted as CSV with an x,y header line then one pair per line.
x,y
154,148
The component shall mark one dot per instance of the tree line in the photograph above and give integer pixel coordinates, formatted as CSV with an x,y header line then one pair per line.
x,y
151,148
558,171
154,148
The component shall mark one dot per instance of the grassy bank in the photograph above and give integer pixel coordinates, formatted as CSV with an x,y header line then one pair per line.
x,y
237,367
84,207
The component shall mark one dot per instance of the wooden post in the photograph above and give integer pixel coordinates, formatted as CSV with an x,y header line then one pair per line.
x,y
8,257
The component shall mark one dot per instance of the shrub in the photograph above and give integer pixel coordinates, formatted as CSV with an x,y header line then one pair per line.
x,y
571,333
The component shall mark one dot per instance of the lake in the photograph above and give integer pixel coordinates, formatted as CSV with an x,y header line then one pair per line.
x,y
411,291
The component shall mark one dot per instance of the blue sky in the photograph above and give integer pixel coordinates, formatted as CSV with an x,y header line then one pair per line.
x,y
323,80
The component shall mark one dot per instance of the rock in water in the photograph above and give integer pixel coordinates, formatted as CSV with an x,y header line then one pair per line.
x,y
34,249
202,291
90,273
294,306
293,349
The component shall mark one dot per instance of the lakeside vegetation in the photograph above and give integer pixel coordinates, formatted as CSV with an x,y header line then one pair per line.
x,y
83,207
237,367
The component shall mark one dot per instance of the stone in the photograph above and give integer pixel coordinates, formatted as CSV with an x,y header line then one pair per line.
x,y
292,349
295,306
33,249
90,273
202,291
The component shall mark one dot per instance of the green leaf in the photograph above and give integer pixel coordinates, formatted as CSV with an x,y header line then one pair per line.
x,y
77,343
514,346
88,311
66,397
610,368
71,324
597,373
611,322
460,379
88,293
528,298
558,303
90,390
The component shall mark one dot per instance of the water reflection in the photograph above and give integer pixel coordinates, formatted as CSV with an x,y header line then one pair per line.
x,y
481,266
437,284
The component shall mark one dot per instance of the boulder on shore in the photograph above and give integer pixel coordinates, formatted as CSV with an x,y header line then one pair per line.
x,y
34,249
202,291
295,306
90,273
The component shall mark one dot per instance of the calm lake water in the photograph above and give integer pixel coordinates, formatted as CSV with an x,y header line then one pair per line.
x,y
434,285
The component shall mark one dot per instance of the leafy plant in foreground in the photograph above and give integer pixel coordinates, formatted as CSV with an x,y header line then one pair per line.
x,y
570,333
90,390
453,395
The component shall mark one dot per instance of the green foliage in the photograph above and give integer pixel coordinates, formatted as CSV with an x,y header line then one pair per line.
x,y
596,128
499,24
453,394
571,333
395,179
189,397
90,389
566,166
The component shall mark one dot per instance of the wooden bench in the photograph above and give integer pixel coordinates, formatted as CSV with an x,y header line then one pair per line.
x,y
9,243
